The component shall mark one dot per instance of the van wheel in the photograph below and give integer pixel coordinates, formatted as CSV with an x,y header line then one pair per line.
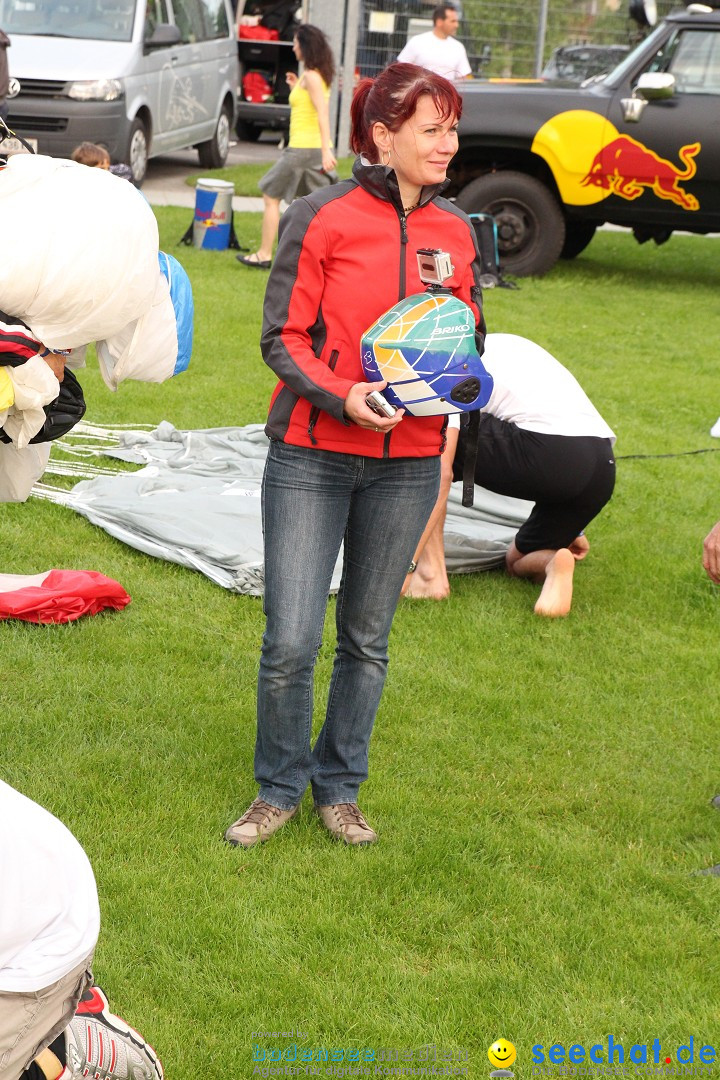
x,y
247,132
137,151
530,224
213,153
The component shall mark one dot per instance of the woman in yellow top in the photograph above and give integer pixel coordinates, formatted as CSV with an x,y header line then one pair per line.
x,y
307,163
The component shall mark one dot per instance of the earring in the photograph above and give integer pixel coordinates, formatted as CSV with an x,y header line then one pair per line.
x,y
386,163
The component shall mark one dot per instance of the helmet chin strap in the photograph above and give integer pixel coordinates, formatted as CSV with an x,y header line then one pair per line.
x,y
471,452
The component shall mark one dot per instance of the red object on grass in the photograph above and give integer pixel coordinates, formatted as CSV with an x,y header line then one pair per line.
x,y
63,595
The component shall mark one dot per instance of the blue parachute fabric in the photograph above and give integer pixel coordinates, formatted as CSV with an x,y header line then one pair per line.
x,y
182,301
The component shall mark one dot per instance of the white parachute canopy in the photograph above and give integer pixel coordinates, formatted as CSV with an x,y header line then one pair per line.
x,y
79,250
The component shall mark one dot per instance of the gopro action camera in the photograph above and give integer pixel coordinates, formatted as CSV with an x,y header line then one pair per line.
x,y
434,266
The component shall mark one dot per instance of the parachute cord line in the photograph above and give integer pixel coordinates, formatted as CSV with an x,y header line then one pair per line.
x,y
82,470
98,438
63,451
81,451
680,453
52,494
105,431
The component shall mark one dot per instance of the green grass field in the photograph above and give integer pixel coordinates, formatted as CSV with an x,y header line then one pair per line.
x,y
245,177
541,788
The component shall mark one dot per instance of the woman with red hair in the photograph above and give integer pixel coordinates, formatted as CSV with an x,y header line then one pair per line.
x,y
336,472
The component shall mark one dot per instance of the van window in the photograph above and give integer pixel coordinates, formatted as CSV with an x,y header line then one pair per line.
x,y
214,15
103,20
188,21
156,12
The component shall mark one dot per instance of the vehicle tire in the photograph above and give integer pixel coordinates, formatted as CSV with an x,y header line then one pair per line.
x,y
137,151
578,235
213,153
247,132
530,223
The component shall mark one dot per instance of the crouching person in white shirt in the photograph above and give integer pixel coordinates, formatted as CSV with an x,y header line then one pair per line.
x,y
541,439
53,1022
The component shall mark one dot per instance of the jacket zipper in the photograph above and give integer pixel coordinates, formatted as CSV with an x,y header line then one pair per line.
x,y
403,285
315,411
443,435
403,255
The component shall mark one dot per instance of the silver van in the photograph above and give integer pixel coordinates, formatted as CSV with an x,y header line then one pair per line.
x,y
139,77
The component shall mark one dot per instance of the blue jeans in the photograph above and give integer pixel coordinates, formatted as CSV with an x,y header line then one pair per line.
x,y
312,501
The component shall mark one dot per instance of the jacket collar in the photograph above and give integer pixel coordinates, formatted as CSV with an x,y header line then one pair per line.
x,y
381,181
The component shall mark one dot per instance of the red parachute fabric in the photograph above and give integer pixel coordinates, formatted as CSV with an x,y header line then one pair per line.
x,y
62,596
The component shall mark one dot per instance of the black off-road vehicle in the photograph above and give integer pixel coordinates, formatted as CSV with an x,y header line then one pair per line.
x,y
639,147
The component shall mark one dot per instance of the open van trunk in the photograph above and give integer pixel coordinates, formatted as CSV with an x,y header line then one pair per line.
x,y
266,56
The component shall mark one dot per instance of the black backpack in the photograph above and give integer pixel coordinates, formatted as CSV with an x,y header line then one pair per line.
x,y
62,414
487,241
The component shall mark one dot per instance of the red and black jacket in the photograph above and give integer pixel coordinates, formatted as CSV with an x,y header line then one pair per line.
x,y
17,342
346,254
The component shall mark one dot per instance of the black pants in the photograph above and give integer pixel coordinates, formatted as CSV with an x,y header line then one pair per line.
x,y
568,477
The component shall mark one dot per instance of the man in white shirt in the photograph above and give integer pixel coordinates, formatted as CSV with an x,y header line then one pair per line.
x,y
438,49
540,439
54,1024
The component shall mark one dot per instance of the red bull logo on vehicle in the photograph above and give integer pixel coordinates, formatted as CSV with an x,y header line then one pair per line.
x,y
625,167
591,161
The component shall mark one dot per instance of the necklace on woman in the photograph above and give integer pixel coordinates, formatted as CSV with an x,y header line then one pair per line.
x,y
414,206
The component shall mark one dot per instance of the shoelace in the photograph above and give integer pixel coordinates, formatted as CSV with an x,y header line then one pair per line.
x,y
350,814
258,811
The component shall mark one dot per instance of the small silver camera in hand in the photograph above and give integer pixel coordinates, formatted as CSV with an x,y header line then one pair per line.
x,y
434,266
379,405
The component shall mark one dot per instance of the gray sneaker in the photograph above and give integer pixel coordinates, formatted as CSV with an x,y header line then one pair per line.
x,y
258,823
345,822
101,1045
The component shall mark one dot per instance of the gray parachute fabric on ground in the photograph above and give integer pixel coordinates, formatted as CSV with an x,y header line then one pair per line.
x,y
196,502
477,537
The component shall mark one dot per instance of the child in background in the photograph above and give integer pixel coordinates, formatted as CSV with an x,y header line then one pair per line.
x,y
97,157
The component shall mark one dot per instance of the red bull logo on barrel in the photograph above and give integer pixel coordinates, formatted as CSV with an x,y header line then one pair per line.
x,y
625,166
213,214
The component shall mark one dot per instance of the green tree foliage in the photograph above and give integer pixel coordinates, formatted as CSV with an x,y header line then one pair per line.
x,y
501,35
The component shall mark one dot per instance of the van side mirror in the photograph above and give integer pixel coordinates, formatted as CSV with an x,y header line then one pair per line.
x,y
163,36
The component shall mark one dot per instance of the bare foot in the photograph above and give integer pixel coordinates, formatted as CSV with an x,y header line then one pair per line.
x,y
555,599
579,547
419,587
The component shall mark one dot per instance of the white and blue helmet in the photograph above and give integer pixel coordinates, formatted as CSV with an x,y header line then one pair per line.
x,y
425,348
